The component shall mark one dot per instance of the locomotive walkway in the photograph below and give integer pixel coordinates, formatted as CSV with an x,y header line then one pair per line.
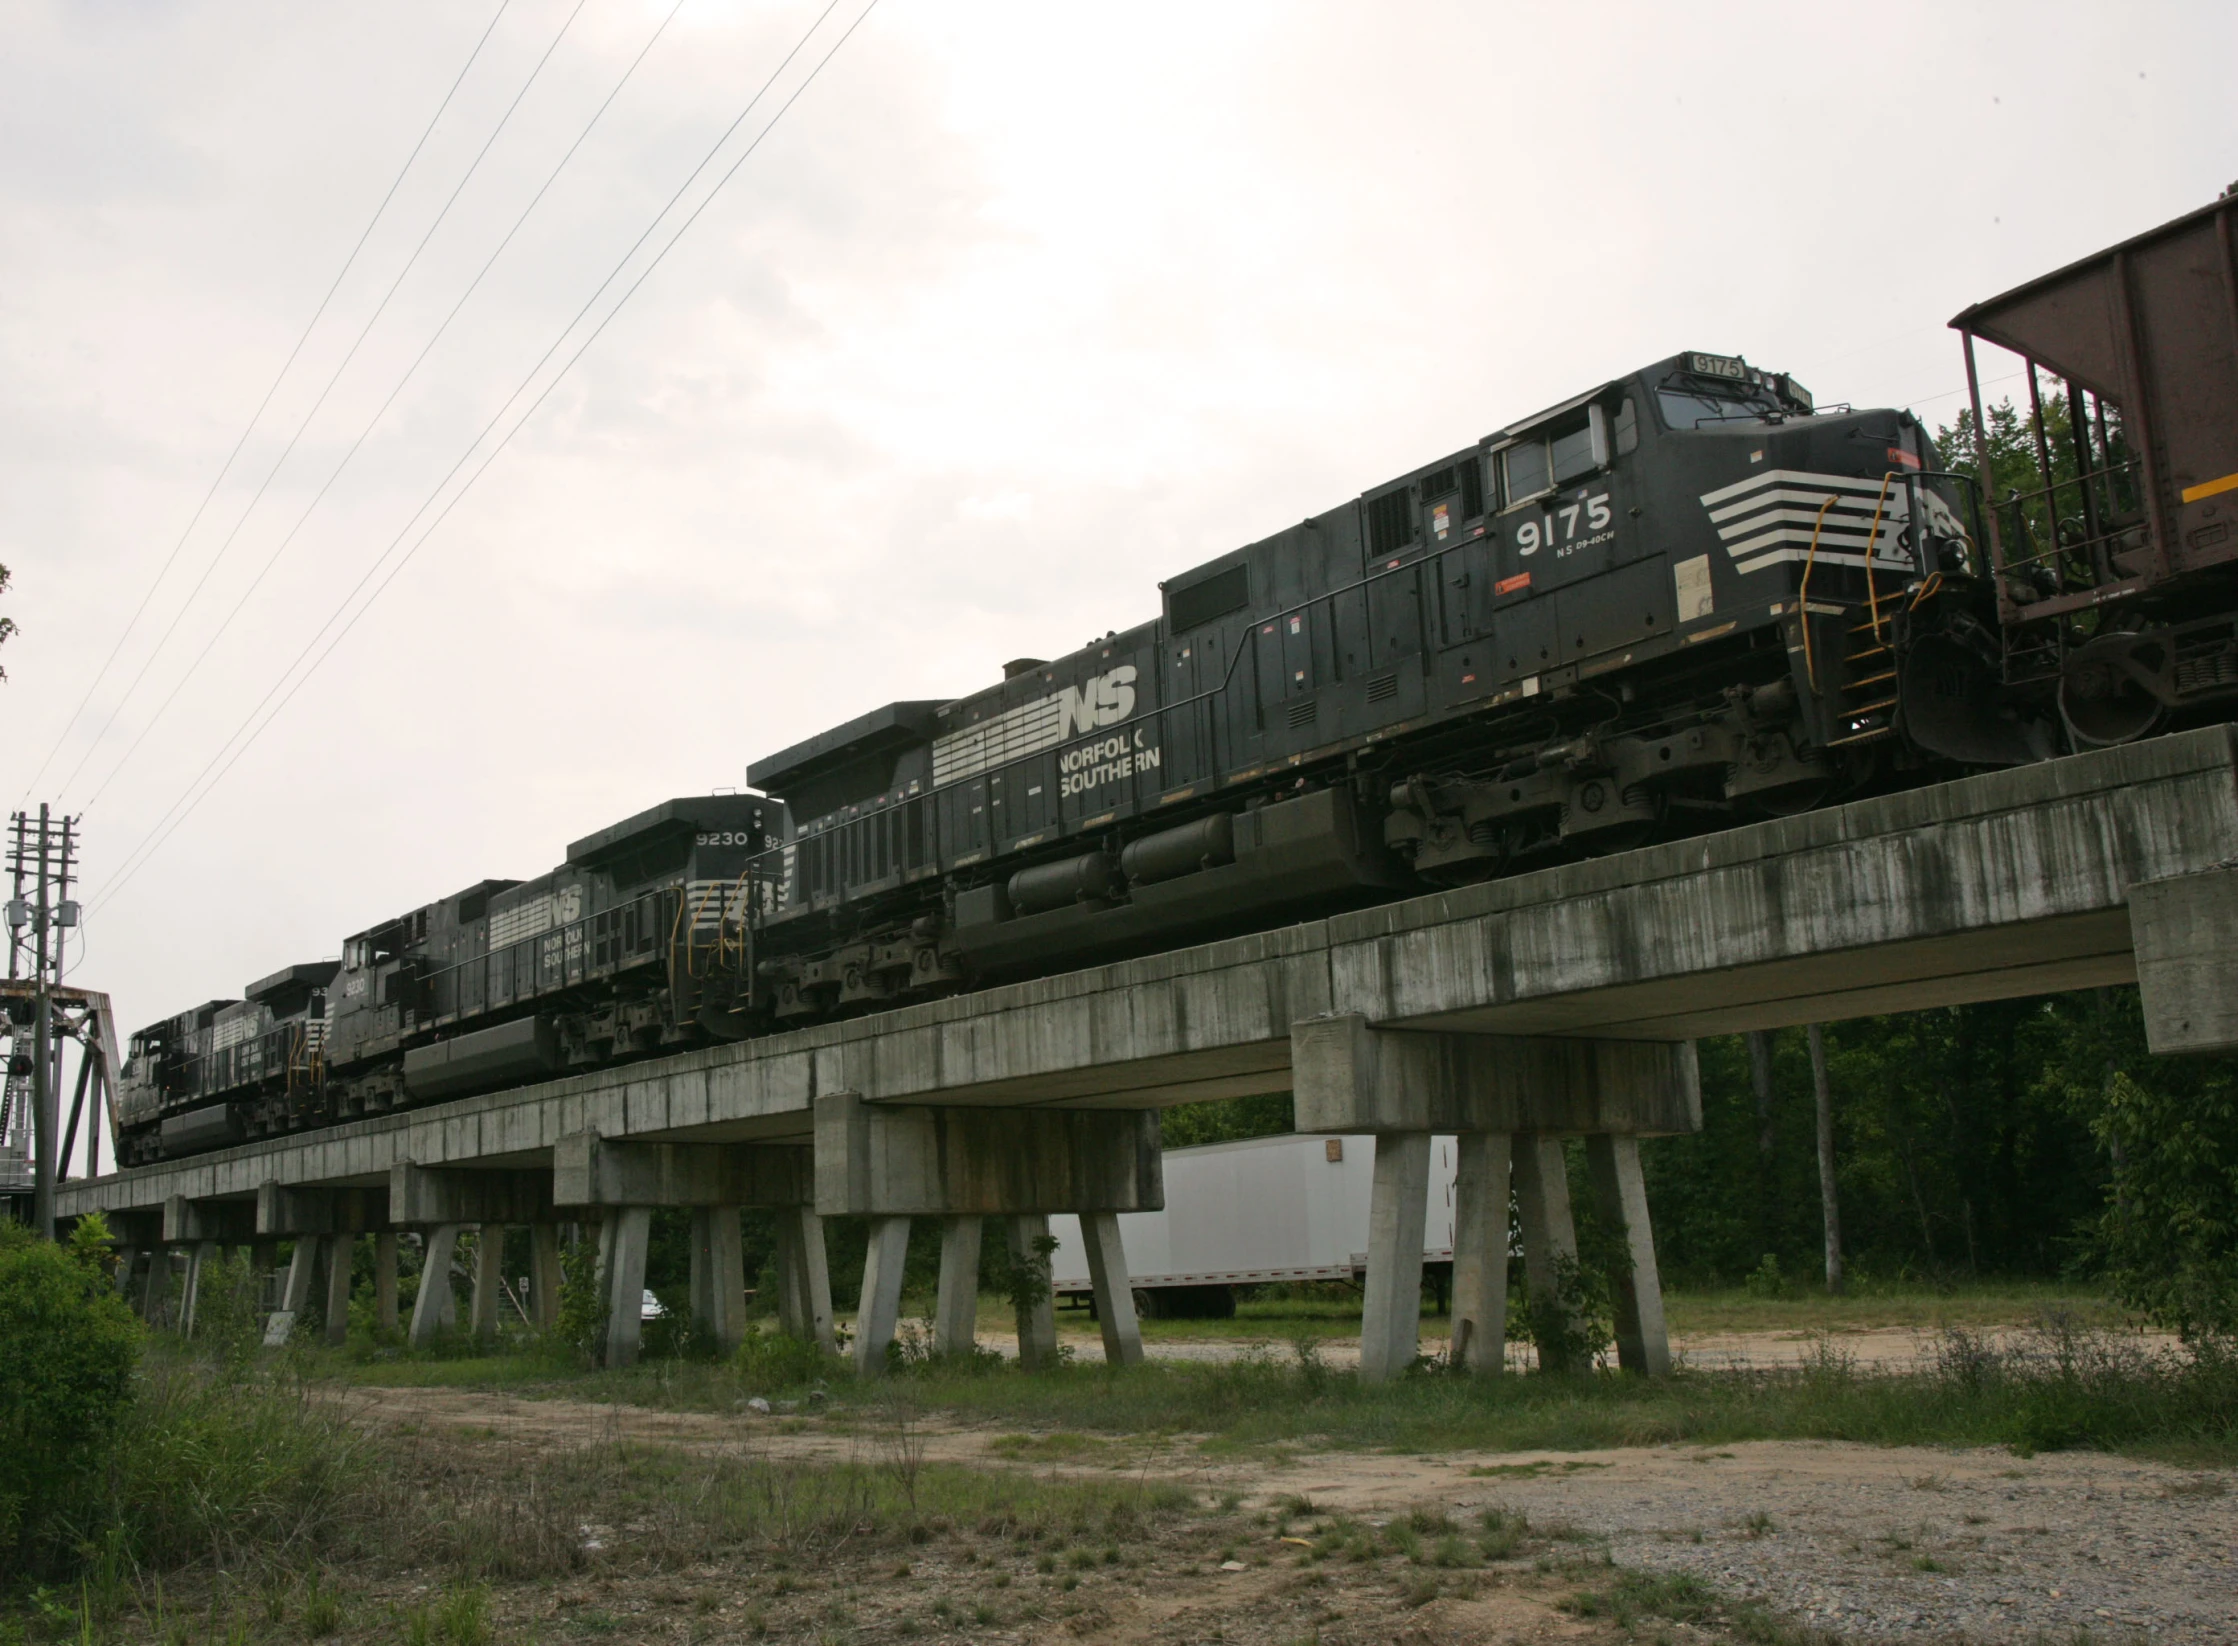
x,y
1556,1003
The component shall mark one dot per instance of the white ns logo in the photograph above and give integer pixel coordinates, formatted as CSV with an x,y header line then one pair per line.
x,y
1103,701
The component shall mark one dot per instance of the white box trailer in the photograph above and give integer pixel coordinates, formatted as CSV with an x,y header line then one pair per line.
x,y
1268,1209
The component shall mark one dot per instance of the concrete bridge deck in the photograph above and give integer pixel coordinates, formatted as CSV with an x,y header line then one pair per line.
x,y
2008,884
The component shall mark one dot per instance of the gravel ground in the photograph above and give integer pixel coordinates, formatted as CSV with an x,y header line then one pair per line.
x,y
1891,1543
1879,1543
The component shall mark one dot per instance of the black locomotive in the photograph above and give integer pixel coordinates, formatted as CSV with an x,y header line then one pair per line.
x,y
1681,599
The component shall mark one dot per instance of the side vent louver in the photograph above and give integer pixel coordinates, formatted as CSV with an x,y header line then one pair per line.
x,y
1302,712
1383,686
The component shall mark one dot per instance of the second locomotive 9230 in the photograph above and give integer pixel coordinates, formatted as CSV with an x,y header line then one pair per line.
x,y
1679,600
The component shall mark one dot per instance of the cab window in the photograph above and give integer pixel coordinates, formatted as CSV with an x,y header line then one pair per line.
x,y
1524,472
1574,454
1535,466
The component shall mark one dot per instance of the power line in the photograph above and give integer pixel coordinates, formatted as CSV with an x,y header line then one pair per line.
x,y
303,427
226,467
188,800
382,410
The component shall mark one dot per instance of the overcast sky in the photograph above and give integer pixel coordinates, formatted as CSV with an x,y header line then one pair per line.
x,y
1019,309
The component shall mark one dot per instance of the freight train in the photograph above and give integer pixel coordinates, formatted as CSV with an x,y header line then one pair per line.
x,y
1678,600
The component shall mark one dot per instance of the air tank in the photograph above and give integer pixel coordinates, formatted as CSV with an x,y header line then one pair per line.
x,y
1059,885
1171,853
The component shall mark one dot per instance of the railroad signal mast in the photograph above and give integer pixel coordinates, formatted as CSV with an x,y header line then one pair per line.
x,y
43,1015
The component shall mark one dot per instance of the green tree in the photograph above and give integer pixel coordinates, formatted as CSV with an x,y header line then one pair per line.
x,y
2165,1230
1228,1121
68,1346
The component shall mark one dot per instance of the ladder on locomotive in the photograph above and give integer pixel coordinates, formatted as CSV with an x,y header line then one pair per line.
x,y
1865,701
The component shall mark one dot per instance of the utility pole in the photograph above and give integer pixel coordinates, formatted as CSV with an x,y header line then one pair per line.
x,y
50,913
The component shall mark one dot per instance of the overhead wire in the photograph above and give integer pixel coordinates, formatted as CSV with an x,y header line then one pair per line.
x,y
382,410
225,468
304,426
251,728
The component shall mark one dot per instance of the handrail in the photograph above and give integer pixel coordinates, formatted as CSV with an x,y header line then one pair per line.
x,y
1872,537
1803,594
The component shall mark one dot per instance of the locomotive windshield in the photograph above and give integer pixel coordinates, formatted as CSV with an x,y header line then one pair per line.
x,y
1691,408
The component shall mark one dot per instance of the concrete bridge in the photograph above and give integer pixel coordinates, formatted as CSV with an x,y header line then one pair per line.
x,y
1515,1014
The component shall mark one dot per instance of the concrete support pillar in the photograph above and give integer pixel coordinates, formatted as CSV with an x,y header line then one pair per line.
x,y
340,1249
1643,1344
1480,1251
880,1311
128,1259
199,1260
435,1310
1037,1313
956,1315
719,1274
545,1277
902,1161
384,1282
155,1296
1542,1200
303,1268
1398,1206
804,1278
489,1282
622,1239
1113,1287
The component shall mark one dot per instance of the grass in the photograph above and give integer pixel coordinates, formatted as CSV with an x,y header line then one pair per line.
x,y
2059,1384
1634,1598
1875,1306
1869,1305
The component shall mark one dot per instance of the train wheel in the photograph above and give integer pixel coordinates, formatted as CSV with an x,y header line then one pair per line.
x,y
2101,698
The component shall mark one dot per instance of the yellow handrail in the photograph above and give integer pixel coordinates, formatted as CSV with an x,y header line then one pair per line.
x,y
1803,595
1872,536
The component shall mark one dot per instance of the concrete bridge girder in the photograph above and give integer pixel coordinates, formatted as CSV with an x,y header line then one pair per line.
x,y
2186,934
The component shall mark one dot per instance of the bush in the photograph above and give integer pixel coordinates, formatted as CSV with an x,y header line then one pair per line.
x,y
777,1360
67,1349
237,1467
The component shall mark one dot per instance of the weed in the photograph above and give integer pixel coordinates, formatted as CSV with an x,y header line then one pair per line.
x,y
1502,1534
322,1611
